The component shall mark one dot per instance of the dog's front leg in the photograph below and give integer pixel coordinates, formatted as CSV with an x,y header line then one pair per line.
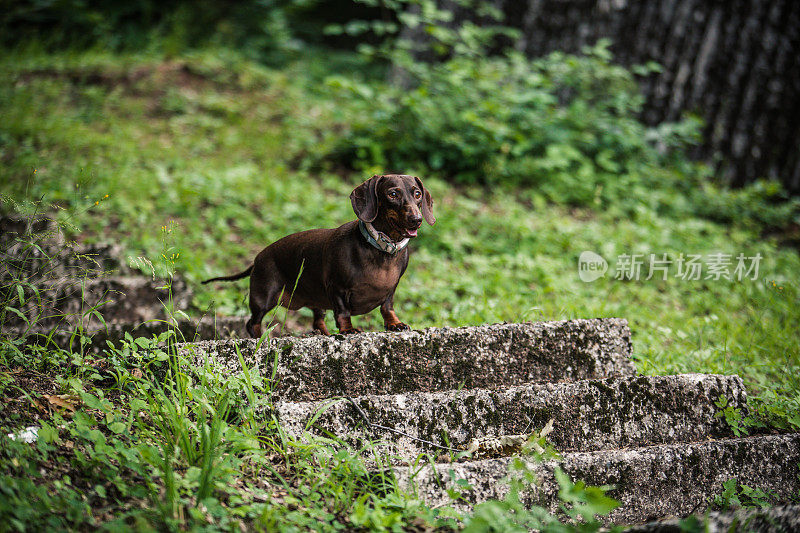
x,y
390,320
341,314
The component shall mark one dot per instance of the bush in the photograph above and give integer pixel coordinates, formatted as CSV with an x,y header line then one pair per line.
x,y
457,104
257,27
565,124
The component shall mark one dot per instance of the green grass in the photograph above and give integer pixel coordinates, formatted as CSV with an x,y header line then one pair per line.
x,y
209,146
204,143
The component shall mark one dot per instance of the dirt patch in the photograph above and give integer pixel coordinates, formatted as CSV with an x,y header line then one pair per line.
x,y
27,397
170,73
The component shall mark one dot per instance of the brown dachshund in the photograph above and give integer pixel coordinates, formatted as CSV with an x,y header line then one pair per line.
x,y
351,269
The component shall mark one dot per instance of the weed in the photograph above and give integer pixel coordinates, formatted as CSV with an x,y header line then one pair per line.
x,y
216,148
579,503
736,495
733,416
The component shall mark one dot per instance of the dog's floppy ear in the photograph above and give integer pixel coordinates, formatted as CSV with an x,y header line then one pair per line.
x,y
427,204
365,199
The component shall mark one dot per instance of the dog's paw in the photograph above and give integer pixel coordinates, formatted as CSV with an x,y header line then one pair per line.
x,y
397,327
351,331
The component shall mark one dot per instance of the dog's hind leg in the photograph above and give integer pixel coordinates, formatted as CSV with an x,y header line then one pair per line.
x,y
319,321
264,296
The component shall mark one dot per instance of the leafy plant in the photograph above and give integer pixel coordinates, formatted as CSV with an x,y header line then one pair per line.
x,y
580,503
202,139
778,408
259,27
733,416
736,495
564,124
457,103
43,278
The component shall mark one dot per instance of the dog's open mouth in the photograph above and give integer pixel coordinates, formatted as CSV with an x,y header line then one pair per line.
x,y
406,232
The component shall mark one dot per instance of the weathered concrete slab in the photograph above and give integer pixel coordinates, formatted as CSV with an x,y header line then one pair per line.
x,y
37,247
187,330
588,415
435,359
779,519
128,299
62,334
651,482
73,278
48,261
15,227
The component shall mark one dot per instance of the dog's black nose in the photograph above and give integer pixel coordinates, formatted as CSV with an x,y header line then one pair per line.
x,y
415,221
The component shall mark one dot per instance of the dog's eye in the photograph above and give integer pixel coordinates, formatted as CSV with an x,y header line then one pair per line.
x,y
417,194
392,194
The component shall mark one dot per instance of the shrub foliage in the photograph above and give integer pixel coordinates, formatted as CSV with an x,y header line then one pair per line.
x,y
567,124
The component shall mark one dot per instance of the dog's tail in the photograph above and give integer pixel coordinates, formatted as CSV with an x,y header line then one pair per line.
x,y
240,275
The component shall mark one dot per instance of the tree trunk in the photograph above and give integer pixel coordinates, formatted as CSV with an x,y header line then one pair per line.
x,y
734,63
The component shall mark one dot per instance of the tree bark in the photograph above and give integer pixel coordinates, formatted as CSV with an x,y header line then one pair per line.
x,y
734,63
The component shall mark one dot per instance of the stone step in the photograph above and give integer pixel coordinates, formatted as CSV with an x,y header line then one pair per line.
x,y
187,330
435,359
651,482
778,519
128,299
46,262
39,227
37,247
588,415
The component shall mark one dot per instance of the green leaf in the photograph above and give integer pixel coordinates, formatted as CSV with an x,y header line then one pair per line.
x,y
605,160
99,317
333,29
96,436
143,342
93,402
83,421
48,433
117,427
18,313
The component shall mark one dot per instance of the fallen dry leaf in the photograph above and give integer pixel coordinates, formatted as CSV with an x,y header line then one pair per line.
x,y
63,401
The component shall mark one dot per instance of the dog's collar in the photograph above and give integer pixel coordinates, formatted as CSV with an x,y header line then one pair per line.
x,y
379,240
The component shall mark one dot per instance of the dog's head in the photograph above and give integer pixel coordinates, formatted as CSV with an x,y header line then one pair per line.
x,y
394,204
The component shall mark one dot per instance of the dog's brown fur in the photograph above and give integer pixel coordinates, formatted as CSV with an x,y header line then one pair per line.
x,y
340,269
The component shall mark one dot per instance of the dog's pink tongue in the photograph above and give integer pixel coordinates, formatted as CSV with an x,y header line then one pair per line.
x,y
411,232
